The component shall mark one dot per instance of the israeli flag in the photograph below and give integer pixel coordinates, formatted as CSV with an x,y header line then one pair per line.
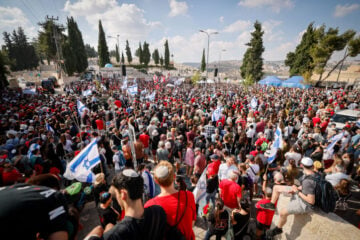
x,y
49,128
124,86
103,87
334,140
80,167
278,143
133,90
87,93
200,190
143,92
81,108
253,103
151,97
216,114
32,147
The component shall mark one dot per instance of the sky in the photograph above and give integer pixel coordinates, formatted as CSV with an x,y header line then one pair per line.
x,y
179,21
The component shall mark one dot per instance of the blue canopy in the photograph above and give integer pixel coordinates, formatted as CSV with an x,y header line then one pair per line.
x,y
108,65
271,81
295,82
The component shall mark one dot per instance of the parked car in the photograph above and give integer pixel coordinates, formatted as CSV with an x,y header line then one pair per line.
x,y
344,116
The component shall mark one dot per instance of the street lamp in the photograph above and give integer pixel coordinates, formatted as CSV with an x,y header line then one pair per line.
x,y
117,39
207,61
222,50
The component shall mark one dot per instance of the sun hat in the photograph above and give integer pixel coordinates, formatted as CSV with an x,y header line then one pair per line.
x,y
306,161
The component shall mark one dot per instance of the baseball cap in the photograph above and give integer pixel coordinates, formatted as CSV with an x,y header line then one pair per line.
x,y
306,161
214,156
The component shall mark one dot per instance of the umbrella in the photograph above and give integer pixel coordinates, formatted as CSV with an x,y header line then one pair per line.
x,y
108,65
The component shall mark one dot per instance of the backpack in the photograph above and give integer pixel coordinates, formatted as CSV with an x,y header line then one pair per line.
x,y
121,158
172,232
325,194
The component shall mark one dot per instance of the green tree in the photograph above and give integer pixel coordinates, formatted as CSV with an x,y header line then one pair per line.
x,y
139,54
102,47
3,72
20,53
156,57
196,77
167,54
203,62
122,58
90,51
128,52
252,64
117,55
75,58
301,61
47,35
146,54
161,61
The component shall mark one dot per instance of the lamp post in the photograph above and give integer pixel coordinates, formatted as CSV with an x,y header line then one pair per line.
x,y
207,60
117,41
222,50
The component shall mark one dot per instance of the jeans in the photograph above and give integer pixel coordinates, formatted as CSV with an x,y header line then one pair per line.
x,y
210,196
210,233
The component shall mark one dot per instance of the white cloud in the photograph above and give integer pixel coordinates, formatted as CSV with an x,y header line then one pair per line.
x,y
221,19
279,53
126,19
343,10
271,33
275,5
177,8
237,26
11,18
244,37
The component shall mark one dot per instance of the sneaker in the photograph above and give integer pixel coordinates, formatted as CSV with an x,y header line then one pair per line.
x,y
270,234
268,206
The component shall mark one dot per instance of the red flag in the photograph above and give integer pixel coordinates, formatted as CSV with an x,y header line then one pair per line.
x,y
157,87
163,79
155,78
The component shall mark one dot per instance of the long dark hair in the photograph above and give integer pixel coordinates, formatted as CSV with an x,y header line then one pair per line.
x,y
219,205
181,183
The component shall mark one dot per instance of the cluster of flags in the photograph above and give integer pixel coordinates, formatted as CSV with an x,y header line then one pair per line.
x,y
81,108
132,90
163,79
80,167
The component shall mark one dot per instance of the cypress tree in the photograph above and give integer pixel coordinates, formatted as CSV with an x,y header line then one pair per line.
x,y
166,54
102,47
203,63
156,57
139,54
128,52
146,54
117,55
161,61
122,58
252,65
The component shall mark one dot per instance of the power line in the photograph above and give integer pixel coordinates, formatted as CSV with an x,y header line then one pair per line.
x,y
31,11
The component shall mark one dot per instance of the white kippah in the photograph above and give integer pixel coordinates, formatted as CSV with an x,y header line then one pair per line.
x,y
162,172
130,173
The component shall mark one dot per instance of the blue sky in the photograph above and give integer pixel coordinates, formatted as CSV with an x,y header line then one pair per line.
x,y
179,21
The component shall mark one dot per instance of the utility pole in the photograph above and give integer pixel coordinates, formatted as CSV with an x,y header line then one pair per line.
x,y
57,38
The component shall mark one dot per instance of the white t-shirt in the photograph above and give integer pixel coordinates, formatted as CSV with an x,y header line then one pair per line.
x,y
116,161
253,171
224,169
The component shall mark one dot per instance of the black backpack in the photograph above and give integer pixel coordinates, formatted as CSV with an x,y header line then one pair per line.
x,y
325,194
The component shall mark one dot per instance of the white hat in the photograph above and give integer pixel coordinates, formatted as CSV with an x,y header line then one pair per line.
x,y
306,161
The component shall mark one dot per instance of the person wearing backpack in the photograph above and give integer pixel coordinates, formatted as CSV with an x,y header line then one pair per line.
x,y
302,200
118,159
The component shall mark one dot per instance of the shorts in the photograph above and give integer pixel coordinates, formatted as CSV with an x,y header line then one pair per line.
x,y
298,206
146,151
261,226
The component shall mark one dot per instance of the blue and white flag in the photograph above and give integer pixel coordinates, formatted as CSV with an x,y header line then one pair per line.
x,y
32,147
30,91
49,128
133,90
278,143
200,190
124,86
143,92
103,87
151,97
253,103
80,167
334,140
81,108
216,114
86,93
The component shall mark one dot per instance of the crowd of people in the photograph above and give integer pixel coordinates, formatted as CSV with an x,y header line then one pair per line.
x,y
154,152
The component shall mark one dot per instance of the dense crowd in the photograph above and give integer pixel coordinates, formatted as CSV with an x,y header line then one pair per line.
x,y
143,187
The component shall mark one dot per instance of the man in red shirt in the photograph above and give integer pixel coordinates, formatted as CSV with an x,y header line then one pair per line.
x,y
230,191
144,138
316,119
263,216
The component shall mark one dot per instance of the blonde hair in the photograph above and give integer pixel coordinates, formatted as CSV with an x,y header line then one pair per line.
x,y
168,178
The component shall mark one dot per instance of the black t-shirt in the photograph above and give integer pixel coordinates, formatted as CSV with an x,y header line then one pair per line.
x,y
241,221
212,184
243,180
107,215
221,226
27,210
151,226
